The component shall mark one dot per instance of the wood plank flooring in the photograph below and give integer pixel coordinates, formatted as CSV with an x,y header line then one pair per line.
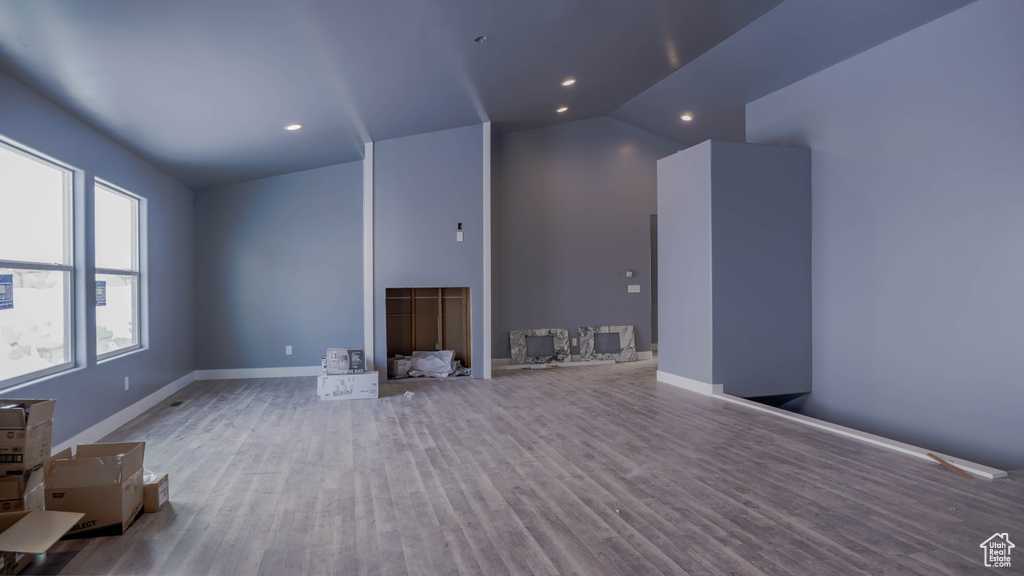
x,y
591,471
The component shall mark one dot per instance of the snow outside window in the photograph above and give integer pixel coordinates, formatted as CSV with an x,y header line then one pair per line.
x,y
117,271
36,266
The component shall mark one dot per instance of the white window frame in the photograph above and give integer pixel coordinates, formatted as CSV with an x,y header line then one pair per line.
x,y
136,264
67,267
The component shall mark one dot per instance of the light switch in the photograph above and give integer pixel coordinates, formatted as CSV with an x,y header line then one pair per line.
x,y
633,289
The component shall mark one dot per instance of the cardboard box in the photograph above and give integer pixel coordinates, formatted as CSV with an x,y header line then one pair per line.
x,y
25,534
103,481
155,492
26,433
22,492
399,366
347,386
346,361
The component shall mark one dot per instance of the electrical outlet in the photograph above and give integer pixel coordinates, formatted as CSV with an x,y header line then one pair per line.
x,y
458,236
574,342
633,289
288,350
126,383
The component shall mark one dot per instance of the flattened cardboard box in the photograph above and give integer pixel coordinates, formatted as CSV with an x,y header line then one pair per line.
x,y
22,492
26,433
103,481
345,361
347,386
24,534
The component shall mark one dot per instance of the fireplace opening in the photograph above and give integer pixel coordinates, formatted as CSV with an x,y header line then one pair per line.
x,y
426,320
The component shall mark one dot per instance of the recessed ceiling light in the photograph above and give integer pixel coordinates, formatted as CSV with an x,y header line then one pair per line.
x,y
562,109
293,127
480,39
686,117
568,82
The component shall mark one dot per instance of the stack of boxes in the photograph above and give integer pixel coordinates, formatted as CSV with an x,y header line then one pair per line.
x,y
26,435
343,376
99,491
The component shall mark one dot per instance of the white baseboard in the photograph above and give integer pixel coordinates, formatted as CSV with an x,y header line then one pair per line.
x,y
94,433
645,355
971,467
237,373
654,347
689,384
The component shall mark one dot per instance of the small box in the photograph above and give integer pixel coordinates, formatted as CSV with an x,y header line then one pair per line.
x,y
155,492
399,366
347,386
26,433
345,361
25,534
103,481
22,492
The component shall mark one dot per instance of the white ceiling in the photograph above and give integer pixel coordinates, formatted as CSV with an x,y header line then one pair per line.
x,y
203,89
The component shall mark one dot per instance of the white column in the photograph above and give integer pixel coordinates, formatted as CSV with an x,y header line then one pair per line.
x,y
487,251
368,255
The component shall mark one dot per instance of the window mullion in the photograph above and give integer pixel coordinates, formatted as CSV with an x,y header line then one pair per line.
x,y
18,265
116,272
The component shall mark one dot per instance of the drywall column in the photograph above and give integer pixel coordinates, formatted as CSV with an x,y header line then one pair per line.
x,y
734,243
684,269
423,187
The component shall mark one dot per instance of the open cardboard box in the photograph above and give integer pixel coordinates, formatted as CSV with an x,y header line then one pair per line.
x,y
23,534
22,491
104,481
26,431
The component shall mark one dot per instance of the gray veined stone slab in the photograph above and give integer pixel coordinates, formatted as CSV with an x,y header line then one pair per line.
x,y
517,342
627,343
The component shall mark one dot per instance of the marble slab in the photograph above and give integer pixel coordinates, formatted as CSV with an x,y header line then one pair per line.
x,y
627,343
517,341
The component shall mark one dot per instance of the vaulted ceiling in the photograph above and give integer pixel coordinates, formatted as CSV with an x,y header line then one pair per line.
x,y
203,89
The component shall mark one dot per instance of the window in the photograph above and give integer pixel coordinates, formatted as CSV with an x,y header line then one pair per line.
x,y
117,270
36,267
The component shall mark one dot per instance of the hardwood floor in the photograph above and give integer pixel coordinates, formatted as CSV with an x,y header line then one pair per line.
x,y
593,471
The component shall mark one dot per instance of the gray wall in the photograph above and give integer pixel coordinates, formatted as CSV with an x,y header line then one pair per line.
x,y
279,263
684,263
761,268
571,212
424,186
734,267
93,392
917,235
